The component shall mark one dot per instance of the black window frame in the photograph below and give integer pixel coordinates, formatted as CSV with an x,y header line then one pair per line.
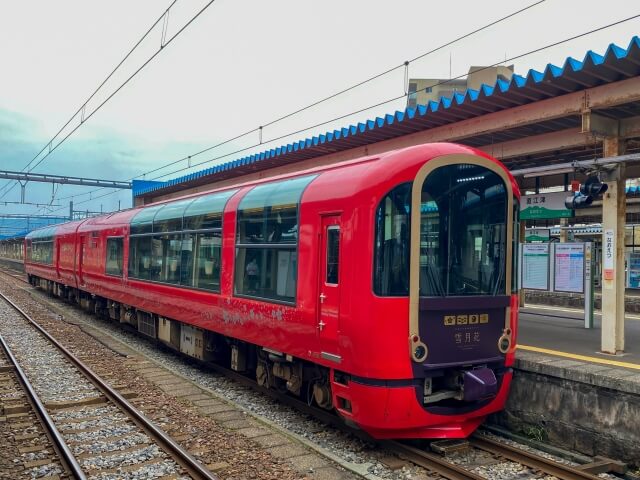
x,y
106,268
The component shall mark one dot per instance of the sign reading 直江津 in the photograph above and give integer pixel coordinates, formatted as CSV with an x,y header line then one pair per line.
x,y
608,253
544,205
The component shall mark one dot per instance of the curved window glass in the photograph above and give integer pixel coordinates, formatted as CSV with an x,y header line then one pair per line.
x,y
142,222
169,217
267,238
391,249
40,245
206,212
179,242
463,232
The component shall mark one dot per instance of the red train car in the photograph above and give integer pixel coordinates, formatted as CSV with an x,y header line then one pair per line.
x,y
381,287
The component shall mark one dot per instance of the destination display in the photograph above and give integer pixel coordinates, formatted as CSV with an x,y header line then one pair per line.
x,y
569,267
535,266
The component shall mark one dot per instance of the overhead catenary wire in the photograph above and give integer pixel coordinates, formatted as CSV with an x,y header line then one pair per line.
x,y
82,107
260,129
133,75
390,100
516,57
530,52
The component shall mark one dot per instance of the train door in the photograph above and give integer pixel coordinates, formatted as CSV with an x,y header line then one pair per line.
x,y
81,252
57,255
329,287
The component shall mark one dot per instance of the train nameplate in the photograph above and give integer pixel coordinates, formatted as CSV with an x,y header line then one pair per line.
x,y
470,319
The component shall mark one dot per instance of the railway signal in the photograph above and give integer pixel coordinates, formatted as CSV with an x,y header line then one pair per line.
x,y
584,195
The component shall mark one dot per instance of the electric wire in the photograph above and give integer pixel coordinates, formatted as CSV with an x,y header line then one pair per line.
x,y
530,52
327,98
134,74
83,105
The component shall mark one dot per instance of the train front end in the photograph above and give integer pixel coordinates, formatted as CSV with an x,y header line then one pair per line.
x,y
458,220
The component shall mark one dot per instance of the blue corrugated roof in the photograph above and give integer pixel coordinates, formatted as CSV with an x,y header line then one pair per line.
x,y
615,64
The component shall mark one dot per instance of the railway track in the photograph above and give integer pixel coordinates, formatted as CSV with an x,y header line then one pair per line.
x,y
433,462
31,443
99,433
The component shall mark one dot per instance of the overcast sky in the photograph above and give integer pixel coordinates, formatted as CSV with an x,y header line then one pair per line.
x,y
241,64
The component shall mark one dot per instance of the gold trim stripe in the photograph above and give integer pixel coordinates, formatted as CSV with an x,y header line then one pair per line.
x,y
416,197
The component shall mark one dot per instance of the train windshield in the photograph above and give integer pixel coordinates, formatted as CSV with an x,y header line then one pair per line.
x,y
463,230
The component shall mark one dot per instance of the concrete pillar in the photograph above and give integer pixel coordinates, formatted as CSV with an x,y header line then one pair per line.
x,y
613,218
563,230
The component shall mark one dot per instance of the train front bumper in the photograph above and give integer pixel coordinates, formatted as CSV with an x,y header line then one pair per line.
x,y
393,412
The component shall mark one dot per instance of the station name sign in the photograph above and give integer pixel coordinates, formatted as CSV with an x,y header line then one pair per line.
x,y
544,205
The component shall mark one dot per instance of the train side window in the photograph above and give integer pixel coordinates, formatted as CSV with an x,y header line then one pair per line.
x,y
179,242
391,248
165,258
115,252
266,264
41,242
142,222
333,254
203,270
205,213
169,217
140,257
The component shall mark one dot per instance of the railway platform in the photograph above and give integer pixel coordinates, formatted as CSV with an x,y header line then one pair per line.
x,y
560,332
568,393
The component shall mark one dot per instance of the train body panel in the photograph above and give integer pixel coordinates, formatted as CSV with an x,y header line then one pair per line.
x,y
326,304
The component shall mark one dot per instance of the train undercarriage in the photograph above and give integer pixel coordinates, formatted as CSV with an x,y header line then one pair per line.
x,y
269,368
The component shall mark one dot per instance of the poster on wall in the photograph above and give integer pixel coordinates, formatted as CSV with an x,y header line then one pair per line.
x,y
535,266
569,267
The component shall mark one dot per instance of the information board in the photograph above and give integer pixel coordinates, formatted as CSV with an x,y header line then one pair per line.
x,y
535,266
569,267
633,270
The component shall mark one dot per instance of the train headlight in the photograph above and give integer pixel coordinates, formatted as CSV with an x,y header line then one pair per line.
x,y
504,344
418,349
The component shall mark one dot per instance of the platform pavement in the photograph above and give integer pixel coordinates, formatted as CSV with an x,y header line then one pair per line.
x,y
560,332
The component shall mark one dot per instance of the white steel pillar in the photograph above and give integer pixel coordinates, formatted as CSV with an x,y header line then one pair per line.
x,y
613,219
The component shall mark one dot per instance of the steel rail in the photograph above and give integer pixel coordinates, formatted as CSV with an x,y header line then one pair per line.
x,y
433,462
67,457
189,463
422,458
531,460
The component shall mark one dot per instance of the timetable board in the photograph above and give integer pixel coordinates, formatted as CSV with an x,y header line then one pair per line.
x,y
569,267
535,266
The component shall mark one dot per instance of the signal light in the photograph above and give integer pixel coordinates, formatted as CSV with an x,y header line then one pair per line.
x,y
593,187
586,193
578,201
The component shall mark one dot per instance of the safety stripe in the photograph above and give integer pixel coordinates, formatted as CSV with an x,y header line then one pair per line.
x,y
584,358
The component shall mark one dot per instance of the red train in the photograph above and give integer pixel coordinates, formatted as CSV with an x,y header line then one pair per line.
x,y
381,287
